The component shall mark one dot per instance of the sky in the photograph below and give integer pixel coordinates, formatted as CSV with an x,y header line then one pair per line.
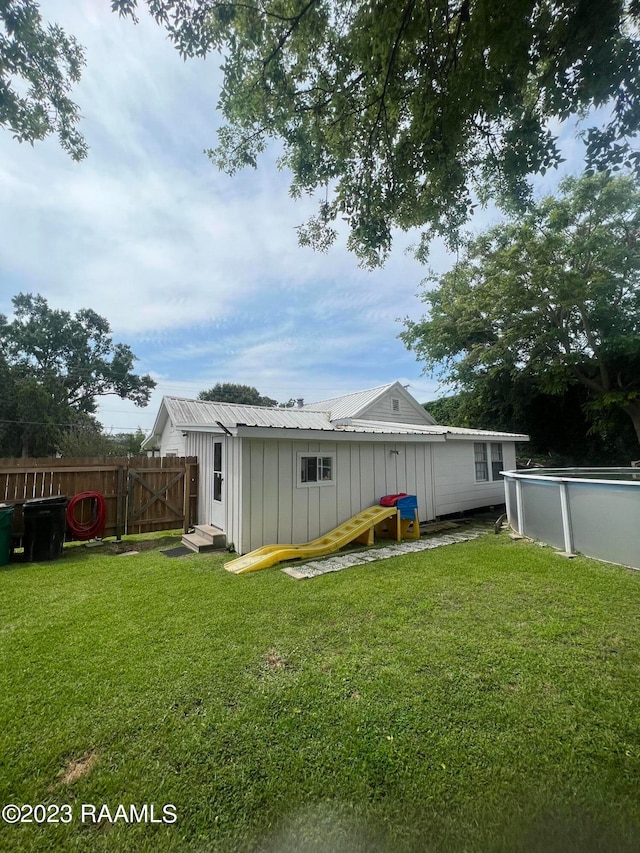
x,y
198,272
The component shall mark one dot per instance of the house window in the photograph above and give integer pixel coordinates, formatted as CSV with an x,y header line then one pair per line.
x,y
496,461
480,455
315,470
217,470
488,460
395,404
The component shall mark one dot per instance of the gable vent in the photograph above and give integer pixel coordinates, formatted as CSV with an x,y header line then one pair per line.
x,y
395,404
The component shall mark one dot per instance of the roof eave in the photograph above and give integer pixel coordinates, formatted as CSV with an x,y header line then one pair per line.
x,y
158,427
350,434
487,436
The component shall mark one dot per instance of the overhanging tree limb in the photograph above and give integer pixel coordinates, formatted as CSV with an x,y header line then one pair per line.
x,y
465,92
452,97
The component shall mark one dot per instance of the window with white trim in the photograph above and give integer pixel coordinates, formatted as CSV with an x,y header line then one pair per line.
x,y
480,458
488,460
316,469
497,463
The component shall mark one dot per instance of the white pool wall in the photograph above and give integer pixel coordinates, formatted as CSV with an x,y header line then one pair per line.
x,y
595,512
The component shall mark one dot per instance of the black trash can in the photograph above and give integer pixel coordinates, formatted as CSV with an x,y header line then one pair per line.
x,y
44,525
6,520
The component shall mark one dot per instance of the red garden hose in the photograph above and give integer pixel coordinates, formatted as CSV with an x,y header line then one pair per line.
x,y
94,527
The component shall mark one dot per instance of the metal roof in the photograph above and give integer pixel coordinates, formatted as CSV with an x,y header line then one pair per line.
x,y
361,425
491,433
187,414
191,414
349,405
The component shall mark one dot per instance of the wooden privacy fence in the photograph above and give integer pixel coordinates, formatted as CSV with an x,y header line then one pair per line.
x,y
142,494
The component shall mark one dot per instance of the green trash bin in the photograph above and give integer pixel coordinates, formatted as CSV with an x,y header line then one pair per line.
x,y
6,521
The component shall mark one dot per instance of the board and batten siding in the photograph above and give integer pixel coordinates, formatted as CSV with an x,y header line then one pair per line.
x,y
200,444
455,487
172,441
275,510
382,410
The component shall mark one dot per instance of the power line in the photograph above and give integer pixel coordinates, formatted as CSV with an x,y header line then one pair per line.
x,y
69,424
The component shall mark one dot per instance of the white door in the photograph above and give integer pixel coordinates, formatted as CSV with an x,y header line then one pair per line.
x,y
218,486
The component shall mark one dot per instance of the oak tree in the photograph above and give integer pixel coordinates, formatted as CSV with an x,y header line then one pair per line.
x,y
229,392
552,295
57,364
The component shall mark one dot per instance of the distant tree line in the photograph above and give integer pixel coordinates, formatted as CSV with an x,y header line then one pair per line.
x,y
90,440
558,425
247,395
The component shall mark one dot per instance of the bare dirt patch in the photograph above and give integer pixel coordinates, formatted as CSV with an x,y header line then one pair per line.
x,y
129,545
274,660
77,768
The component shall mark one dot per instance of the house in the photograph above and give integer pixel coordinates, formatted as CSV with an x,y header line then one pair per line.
x,y
271,475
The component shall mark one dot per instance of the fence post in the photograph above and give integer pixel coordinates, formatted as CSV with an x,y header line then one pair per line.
x,y
120,504
186,497
130,499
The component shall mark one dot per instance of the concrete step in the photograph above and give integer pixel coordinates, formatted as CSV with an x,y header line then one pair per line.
x,y
200,543
212,534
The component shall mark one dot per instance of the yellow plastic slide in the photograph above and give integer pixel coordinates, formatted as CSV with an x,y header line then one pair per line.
x,y
358,527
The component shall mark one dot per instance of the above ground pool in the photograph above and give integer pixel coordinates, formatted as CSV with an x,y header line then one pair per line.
x,y
591,511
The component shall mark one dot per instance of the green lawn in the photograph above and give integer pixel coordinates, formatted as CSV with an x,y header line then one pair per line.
x,y
478,697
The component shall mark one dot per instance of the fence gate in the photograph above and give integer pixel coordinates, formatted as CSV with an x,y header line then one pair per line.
x,y
142,494
156,499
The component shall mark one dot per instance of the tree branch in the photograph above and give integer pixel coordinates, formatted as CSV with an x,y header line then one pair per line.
x,y
392,58
295,21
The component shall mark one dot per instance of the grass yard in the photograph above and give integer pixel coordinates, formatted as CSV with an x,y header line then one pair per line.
x,y
478,697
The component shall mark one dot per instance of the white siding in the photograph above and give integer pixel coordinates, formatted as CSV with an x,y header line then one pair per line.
x,y
454,478
263,504
406,413
234,492
275,510
200,444
172,441
509,457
